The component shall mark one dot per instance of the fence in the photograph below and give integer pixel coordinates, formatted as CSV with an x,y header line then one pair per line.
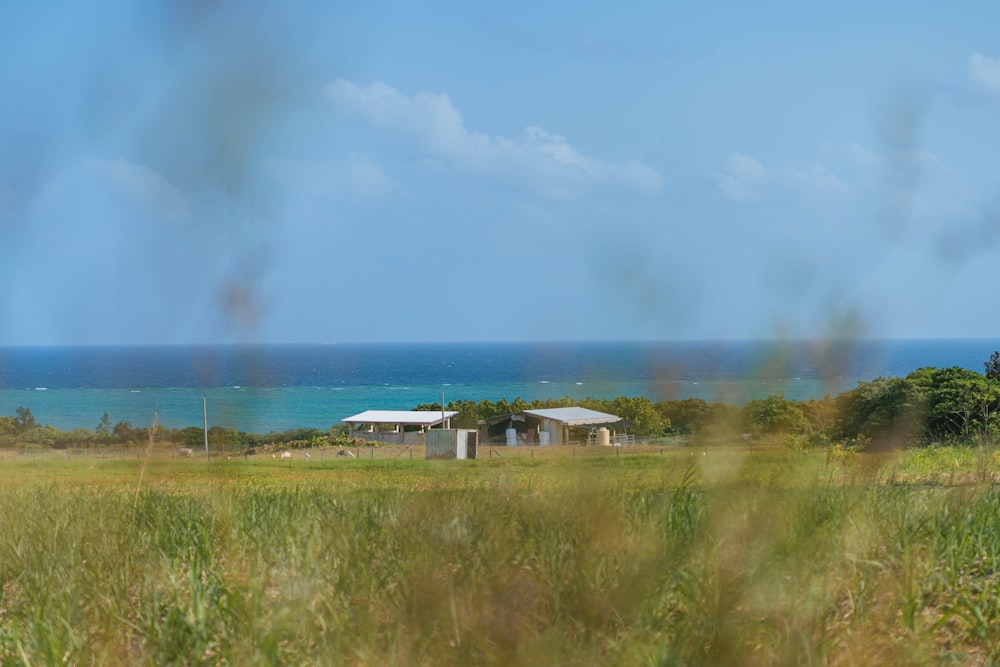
x,y
614,439
382,452
170,453
391,438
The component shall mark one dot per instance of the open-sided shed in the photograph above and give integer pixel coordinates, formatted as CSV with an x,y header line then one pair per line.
x,y
402,427
552,426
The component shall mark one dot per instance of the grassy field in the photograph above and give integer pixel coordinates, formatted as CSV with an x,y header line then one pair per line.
x,y
673,557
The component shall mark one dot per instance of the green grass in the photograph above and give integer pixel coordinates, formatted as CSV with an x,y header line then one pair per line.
x,y
674,559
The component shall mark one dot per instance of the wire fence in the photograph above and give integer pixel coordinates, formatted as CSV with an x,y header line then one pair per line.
x,y
382,452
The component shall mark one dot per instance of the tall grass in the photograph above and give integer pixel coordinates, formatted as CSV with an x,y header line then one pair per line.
x,y
774,558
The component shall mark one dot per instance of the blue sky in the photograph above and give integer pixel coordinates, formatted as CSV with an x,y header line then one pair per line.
x,y
175,172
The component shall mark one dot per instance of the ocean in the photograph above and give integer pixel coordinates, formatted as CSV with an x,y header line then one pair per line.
x,y
267,388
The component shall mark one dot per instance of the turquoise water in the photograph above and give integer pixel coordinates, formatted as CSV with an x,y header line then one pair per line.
x,y
276,388
261,410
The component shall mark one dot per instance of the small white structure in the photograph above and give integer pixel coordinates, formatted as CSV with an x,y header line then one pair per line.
x,y
408,427
451,444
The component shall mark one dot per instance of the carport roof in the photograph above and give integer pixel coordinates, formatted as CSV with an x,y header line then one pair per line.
x,y
407,417
574,416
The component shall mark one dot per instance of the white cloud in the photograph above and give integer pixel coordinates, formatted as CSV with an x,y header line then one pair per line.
x,y
984,73
144,186
538,158
357,177
744,178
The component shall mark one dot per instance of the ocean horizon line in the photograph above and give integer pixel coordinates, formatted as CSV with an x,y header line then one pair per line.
x,y
539,342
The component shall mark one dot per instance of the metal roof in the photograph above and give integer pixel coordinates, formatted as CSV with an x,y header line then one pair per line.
x,y
575,416
408,417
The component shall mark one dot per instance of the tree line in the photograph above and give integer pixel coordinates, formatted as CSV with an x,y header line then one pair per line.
x,y
24,430
930,405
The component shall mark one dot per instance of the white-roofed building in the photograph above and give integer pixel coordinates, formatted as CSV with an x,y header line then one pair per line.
x,y
551,426
574,416
401,427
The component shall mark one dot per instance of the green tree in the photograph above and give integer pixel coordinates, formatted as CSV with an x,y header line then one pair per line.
x,y
192,437
231,439
122,431
821,413
962,404
103,429
8,428
689,416
25,420
992,365
928,405
775,414
885,410
9,424
645,420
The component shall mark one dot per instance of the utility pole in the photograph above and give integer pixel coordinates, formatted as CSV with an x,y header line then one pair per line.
x,y
204,410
